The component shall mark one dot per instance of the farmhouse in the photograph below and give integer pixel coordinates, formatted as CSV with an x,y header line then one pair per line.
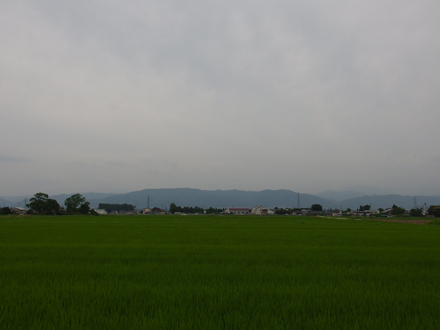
x,y
237,210
260,210
18,210
387,211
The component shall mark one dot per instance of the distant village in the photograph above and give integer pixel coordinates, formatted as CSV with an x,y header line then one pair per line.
x,y
77,204
260,210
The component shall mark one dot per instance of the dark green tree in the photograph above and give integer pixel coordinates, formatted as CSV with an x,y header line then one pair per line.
x,y
84,208
52,207
397,210
37,203
173,208
316,207
41,203
73,202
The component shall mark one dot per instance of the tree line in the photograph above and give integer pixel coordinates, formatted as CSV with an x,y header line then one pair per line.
x,y
116,207
186,209
196,209
76,204
41,203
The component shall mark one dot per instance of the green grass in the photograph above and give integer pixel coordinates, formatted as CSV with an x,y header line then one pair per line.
x,y
217,272
435,222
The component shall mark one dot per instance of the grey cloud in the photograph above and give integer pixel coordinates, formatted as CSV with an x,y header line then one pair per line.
x,y
9,159
251,95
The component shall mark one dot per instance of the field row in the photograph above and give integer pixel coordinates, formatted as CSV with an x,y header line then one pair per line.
x,y
217,272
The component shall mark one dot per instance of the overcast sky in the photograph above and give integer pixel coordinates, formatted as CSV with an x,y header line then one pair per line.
x,y
117,96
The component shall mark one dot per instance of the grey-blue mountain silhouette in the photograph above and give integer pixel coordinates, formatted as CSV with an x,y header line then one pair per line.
x,y
238,198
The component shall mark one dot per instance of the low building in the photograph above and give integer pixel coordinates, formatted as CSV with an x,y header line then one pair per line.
x,y
237,210
362,213
157,210
387,211
100,211
314,213
18,210
260,210
333,213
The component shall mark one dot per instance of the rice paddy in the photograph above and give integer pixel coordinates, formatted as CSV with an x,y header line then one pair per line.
x,y
217,272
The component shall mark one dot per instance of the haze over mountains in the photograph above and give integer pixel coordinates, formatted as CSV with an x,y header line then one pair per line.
x,y
239,198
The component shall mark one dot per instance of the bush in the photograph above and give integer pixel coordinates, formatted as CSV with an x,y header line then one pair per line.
x,y
416,213
5,210
434,210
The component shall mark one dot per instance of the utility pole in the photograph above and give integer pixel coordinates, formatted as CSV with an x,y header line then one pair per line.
x,y
297,202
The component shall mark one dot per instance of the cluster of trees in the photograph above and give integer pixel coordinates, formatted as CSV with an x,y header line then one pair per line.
x,y
188,209
41,203
397,210
77,204
117,207
434,210
316,207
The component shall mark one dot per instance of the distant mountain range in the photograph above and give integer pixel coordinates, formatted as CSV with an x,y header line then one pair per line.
x,y
215,198
339,196
228,198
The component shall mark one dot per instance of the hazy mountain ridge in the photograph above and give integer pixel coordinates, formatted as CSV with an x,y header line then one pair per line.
x,y
4,202
238,198
215,198
339,196
270,198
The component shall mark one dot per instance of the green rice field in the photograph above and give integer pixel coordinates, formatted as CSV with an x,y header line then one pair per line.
x,y
217,272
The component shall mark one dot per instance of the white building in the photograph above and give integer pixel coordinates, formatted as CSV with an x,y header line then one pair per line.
x,y
100,211
260,210
237,210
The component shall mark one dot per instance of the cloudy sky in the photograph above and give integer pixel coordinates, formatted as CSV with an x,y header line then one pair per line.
x,y
310,95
